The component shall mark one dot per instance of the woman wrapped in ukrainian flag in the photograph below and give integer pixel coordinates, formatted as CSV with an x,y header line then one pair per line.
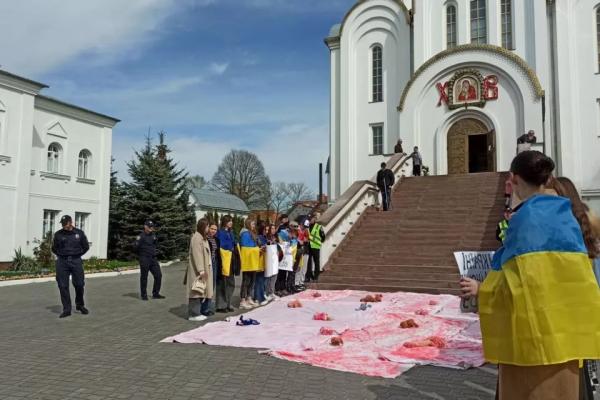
x,y
540,306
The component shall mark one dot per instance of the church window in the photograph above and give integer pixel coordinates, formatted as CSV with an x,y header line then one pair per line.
x,y
377,74
49,223
478,22
506,18
598,35
450,27
83,169
377,140
2,125
53,158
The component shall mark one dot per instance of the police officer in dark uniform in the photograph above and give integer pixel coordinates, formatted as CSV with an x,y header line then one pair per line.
x,y
145,246
69,245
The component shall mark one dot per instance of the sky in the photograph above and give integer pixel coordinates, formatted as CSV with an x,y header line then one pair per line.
x,y
213,74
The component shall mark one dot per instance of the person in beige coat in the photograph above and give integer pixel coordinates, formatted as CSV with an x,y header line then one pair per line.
x,y
198,277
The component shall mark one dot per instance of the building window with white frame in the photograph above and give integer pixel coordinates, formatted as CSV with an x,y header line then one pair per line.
x,y
377,71
377,138
83,166
49,223
598,35
450,26
507,25
82,221
53,158
478,22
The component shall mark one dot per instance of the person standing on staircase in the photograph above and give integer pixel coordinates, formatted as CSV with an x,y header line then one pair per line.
x,y
316,236
385,182
417,161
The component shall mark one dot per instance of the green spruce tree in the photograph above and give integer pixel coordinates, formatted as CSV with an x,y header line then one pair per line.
x,y
115,217
157,191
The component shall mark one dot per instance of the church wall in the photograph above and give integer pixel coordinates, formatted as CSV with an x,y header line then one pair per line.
x,y
377,22
578,95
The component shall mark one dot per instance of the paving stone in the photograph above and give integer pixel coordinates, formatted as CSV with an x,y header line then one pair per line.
x,y
115,353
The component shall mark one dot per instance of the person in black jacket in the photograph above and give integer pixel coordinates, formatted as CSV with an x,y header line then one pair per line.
x,y
145,246
385,182
69,244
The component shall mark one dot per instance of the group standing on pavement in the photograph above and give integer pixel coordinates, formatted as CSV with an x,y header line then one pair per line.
x,y
216,257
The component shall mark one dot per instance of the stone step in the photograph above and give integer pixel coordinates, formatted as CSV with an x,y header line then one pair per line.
x,y
384,289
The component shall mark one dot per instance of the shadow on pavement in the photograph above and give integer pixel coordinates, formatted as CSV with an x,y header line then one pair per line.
x,y
132,295
54,309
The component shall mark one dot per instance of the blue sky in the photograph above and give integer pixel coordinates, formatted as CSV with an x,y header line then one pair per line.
x,y
213,74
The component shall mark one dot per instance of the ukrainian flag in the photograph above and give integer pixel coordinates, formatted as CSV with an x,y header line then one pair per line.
x,y
226,256
541,304
249,253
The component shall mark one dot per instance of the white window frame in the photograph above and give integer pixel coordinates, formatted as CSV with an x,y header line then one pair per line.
x,y
2,127
373,86
84,164
507,20
54,162
372,139
448,24
49,219
476,19
82,221
597,24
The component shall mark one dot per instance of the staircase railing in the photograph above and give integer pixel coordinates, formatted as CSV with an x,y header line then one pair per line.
x,y
350,206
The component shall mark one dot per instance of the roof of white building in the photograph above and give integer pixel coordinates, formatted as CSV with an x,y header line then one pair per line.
x,y
205,198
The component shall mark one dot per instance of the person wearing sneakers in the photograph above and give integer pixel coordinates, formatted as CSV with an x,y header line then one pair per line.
x,y
198,276
69,244
250,257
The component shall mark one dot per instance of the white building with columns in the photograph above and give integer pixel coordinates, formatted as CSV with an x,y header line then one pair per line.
x,y
462,80
54,160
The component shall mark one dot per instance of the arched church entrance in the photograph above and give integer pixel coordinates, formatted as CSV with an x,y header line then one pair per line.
x,y
471,147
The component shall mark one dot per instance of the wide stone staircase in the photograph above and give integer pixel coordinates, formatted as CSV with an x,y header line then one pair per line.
x,y
410,248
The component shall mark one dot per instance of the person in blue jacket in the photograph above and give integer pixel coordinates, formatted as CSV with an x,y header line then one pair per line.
x,y
225,275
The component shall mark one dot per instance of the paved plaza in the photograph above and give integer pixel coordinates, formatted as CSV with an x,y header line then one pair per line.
x,y
115,353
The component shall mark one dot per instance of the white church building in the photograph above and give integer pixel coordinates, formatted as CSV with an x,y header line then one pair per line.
x,y
462,80
54,160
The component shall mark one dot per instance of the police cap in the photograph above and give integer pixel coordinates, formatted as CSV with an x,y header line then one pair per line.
x,y
149,223
65,220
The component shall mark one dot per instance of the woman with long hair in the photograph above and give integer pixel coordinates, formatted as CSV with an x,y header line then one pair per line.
x,y
260,282
225,276
198,276
209,305
272,239
540,305
250,257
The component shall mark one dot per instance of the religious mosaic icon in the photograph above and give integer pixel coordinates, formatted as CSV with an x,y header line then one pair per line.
x,y
468,88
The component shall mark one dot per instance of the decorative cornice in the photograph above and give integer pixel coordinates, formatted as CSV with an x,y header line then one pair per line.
x,y
4,159
400,4
509,55
52,175
20,83
71,110
333,42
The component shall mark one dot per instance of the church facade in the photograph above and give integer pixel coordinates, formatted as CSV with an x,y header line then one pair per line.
x,y
463,80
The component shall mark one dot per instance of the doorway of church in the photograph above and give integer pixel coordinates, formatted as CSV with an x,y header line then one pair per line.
x,y
471,147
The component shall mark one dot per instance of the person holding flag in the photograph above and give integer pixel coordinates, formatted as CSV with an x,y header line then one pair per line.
x,y
540,305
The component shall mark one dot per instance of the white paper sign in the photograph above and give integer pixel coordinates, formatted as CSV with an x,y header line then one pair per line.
x,y
474,264
287,264
271,261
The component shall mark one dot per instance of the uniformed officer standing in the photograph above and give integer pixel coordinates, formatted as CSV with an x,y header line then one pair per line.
x,y
145,246
69,245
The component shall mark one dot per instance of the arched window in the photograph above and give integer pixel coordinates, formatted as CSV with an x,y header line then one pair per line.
x,y
83,167
507,26
478,22
53,159
598,35
377,74
450,27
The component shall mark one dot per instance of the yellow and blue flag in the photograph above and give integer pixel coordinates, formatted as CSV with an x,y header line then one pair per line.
x,y
541,304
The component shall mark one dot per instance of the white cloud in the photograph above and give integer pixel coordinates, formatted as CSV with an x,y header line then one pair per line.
x,y
219,68
46,34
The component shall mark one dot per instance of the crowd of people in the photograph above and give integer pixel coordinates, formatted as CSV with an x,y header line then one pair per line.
x,y
274,260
